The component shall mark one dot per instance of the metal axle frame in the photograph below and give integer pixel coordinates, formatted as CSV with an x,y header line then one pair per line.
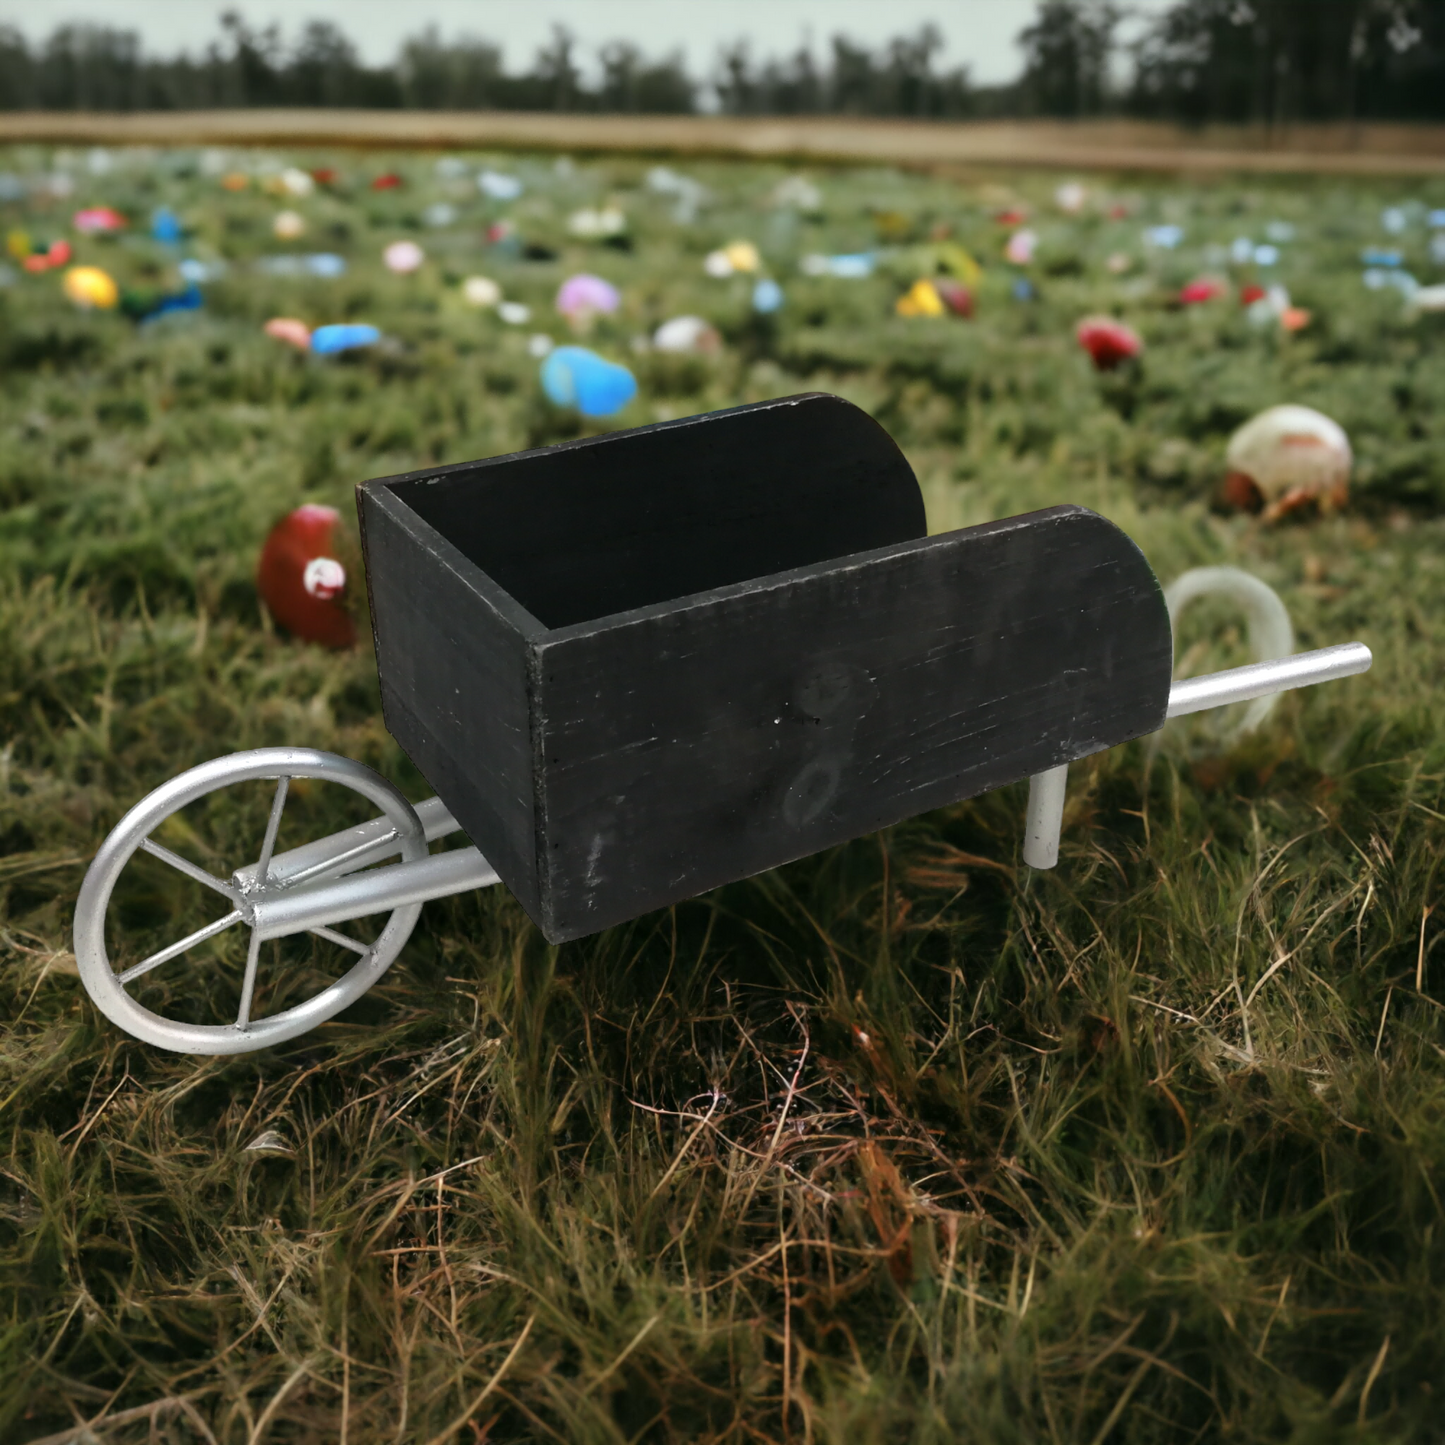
x,y
334,879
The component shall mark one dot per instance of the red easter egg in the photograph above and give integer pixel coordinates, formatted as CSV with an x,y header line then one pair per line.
x,y
1250,294
1107,341
955,295
1204,288
300,580
389,182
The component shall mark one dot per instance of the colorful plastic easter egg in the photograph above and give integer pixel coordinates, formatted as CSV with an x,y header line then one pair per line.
x,y
387,182
1109,342
166,226
514,313
235,181
296,182
300,580
743,255
90,287
1285,458
1070,197
729,260
687,335
499,187
98,221
17,244
403,257
1021,247
921,299
583,296
288,226
481,291
955,295
576,377
290,330
767,297
329,340
852,267
1201,289
144,305
597,223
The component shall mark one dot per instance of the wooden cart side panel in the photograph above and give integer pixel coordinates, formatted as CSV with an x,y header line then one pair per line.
x,y
596,527
452,653
686,748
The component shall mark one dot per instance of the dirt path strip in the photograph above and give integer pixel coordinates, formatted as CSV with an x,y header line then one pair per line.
x,y
1092,145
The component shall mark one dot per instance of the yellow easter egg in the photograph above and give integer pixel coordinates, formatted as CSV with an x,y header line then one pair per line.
x,y
90,286
922,299
743,255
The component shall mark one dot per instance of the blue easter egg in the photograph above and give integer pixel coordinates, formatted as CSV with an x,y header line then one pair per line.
x,y
328,340
166,225
574,376
767,296
1023,289
188,300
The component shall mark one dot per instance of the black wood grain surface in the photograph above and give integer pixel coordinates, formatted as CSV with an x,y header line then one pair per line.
x,y
608,763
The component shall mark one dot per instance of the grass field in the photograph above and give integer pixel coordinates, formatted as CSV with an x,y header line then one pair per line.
x,y
896,1143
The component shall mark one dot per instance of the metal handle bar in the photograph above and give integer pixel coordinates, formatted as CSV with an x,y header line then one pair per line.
x,y
1259,679
326,884
1195,694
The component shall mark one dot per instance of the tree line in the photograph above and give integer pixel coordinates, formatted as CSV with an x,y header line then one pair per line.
x,y
1263,62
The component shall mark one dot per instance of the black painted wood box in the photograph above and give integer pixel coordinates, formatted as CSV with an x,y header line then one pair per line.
x,y
641,665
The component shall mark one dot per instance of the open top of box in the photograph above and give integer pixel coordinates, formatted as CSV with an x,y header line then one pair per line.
x,y
604,525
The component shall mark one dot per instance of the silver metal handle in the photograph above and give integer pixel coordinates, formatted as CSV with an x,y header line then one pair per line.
x,y
1259,679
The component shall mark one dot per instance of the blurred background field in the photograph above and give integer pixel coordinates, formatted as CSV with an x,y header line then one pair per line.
x,y
896,1143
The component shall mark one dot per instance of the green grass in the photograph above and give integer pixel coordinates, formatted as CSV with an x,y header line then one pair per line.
x,y
896,1143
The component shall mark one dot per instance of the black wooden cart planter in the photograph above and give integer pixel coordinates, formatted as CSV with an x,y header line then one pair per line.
x,y
641,665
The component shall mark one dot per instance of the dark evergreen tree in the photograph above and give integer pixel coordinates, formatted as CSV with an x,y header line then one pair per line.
x,y
1067,51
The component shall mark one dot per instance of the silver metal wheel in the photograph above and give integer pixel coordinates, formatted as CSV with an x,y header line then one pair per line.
x,y
246,887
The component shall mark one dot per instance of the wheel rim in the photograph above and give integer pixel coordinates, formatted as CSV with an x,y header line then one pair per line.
x,y
132,834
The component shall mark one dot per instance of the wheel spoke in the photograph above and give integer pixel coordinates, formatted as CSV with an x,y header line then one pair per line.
x,y
332,936
272,825
248,986
189,941
183,865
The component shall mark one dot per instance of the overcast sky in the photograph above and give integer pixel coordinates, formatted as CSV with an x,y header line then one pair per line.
x,y
979,33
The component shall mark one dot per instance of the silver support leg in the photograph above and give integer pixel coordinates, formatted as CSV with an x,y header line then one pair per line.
x,y
1195,694
1045,817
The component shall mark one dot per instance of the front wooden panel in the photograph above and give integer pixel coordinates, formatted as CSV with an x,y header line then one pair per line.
x,y
454,690
684,748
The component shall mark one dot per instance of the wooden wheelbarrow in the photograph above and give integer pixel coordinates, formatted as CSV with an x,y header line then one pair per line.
x,y
639,666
